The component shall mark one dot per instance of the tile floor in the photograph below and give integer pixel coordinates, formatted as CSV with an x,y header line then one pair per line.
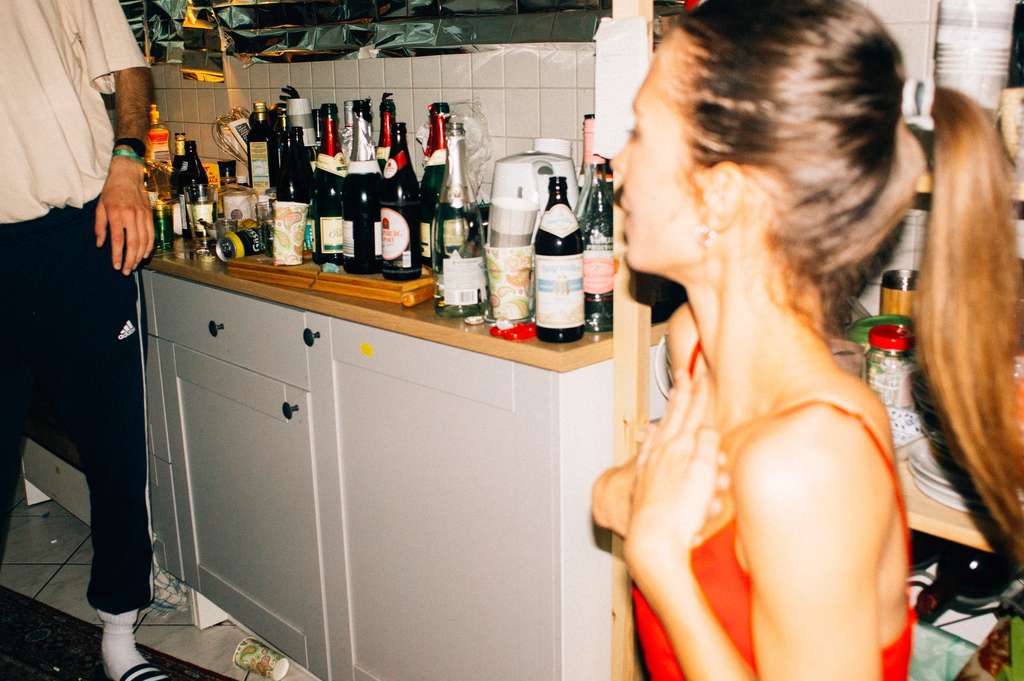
x,y
48,557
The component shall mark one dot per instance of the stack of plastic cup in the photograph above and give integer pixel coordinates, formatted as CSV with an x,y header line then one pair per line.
x,y
972,51
509,254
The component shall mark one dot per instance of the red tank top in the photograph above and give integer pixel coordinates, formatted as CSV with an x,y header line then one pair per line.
x,y
726,587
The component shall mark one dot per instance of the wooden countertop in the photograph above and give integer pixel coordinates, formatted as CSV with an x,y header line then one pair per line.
x,y
419,321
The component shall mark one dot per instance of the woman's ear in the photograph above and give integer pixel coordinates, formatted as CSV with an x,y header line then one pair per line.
x,y
729,196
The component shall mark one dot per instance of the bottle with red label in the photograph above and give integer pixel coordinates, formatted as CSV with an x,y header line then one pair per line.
x,y
400,212
387,129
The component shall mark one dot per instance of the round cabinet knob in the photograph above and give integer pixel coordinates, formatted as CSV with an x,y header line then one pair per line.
x,y
309,337
289,409
214,328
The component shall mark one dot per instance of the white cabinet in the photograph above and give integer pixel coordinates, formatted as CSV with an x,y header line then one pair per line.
x,y
423,515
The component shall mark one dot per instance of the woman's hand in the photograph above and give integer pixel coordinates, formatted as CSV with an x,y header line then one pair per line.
x,y
675,482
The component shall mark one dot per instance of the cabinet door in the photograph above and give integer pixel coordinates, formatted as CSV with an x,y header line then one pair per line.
x,y
252,504
450,482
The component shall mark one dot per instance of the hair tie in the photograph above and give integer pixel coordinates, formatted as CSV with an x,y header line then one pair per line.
x,y
918,98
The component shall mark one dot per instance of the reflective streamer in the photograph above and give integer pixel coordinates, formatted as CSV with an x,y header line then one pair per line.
x,y
302,30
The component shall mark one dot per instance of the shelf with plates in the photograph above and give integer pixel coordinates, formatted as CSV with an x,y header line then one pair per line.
x,y
937,519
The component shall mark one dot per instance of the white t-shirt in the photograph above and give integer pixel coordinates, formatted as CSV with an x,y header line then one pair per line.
x,y
56,57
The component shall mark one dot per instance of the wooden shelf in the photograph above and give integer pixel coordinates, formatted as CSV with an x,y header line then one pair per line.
x,y
929,516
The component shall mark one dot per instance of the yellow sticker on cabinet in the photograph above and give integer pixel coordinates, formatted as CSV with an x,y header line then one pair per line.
x,y
366,349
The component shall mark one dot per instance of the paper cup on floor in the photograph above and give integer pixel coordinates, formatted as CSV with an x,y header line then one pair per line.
x,y
255,656
289,232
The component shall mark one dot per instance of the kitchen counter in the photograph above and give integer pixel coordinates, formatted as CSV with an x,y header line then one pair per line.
x,y
418,322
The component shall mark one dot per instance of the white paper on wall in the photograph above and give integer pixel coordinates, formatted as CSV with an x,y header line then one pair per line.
x,y
623,57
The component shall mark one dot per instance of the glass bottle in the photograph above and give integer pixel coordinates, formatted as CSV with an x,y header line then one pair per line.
x,y
362,246
195,194
329,232
400,212
588,163
158,148
433,175
387,128
594,214
458,249
178,213
559,248
296,178
284,143
262,151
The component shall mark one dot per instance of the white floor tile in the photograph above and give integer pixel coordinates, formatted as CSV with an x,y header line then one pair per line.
x,y
44,539
26,579
66,592
211,649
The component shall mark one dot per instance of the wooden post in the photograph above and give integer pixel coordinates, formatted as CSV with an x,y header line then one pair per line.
x,y
632,342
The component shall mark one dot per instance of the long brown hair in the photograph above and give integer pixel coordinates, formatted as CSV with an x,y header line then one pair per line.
x,y
809,92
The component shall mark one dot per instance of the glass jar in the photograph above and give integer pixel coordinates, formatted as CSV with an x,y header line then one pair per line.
x,y
889,365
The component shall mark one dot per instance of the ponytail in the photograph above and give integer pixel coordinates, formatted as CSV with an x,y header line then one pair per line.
x,y
968,307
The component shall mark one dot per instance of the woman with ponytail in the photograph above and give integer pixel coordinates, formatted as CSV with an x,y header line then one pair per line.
x,y
772,158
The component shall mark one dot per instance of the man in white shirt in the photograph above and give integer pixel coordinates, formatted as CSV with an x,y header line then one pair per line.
x,y
75,223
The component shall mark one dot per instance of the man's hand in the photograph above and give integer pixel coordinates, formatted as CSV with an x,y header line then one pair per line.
x,y
124,207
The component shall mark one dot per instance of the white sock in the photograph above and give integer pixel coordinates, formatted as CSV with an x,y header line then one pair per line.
x,y
119,653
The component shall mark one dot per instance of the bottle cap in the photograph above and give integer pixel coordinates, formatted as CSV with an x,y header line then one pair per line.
x,y
891,337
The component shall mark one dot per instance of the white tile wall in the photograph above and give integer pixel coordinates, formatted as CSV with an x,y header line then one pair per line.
x,y
524,91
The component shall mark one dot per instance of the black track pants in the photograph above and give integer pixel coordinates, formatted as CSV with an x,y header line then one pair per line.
x,y
75,326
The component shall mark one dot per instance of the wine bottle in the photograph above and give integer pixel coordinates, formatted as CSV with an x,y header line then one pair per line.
x,y
458,258
284,143
347,129
296,178
559,248
433,175
387,129
262,149
400,212
362,247
196,187
586,167
594,215
329,232
178,212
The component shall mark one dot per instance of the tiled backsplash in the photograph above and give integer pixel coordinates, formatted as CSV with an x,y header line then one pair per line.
x,y
524,91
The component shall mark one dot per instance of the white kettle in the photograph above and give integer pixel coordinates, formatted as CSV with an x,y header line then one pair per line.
x,y
525,176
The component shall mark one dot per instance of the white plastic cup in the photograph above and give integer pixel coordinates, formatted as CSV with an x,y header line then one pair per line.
x,y
511,222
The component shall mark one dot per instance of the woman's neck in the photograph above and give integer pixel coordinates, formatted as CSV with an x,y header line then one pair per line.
x,y
753,346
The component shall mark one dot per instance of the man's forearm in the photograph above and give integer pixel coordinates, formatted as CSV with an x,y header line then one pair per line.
x,y
133,96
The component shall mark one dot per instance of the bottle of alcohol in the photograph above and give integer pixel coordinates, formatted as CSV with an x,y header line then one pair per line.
x,y
179,219
400,211
586,166
329,231
361,198
284,143
195,192
262,148
594,215
433,175
559,248
347,130
158,148
387,128
296,178
458,257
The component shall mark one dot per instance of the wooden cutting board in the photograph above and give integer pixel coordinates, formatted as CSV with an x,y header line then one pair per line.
x,y
376,287
261,268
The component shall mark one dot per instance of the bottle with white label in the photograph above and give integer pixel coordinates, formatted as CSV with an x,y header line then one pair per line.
x,y
328,234
436,154
457,239
400,211
362,246
559,269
